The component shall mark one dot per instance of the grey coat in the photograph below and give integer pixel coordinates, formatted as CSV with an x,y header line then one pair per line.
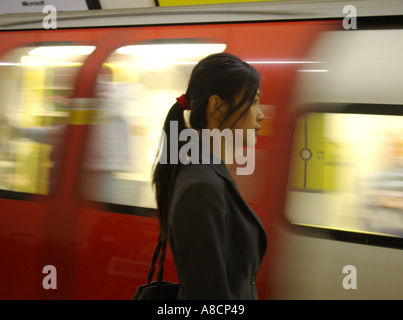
x,y
217,241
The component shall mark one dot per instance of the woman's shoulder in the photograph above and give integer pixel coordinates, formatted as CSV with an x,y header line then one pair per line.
x,y
201,188
199,174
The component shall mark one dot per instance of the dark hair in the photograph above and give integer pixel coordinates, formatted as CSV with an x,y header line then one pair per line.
x,y
219,74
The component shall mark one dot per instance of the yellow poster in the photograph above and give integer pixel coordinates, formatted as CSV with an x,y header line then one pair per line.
x,y
315,158
168,3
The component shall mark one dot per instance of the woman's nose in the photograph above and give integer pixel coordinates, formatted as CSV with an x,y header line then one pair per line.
x,y
260,116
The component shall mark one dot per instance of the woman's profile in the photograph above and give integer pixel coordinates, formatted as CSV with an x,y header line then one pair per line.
x,y
217,241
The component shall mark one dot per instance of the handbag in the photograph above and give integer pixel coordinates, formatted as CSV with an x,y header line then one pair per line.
x,y
157,290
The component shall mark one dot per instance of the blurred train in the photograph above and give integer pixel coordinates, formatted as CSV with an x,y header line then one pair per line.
x,y
81,108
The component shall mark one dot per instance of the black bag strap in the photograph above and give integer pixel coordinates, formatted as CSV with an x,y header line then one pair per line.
x,y
159,252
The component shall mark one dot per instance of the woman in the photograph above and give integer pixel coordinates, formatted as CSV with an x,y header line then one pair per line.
x,y
217,241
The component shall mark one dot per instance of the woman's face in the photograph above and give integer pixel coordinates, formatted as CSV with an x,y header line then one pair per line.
x,y
250,120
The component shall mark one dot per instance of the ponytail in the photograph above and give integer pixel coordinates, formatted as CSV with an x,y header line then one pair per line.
x,y
165,174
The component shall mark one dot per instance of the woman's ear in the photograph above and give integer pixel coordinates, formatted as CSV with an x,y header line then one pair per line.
x,y
216,107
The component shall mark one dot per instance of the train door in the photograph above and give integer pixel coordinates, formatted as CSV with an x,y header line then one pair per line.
x,y
343,234
130,82
36,84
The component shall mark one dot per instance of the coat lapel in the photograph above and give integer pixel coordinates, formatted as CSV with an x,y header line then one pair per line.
x,y
223,171
208,158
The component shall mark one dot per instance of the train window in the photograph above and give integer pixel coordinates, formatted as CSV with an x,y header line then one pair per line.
x,y
137,86
36,83
347,173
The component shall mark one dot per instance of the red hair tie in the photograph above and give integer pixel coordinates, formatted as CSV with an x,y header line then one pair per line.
x,y
183,102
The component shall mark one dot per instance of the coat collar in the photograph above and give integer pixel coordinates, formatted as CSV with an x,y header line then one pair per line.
x,y
209,158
